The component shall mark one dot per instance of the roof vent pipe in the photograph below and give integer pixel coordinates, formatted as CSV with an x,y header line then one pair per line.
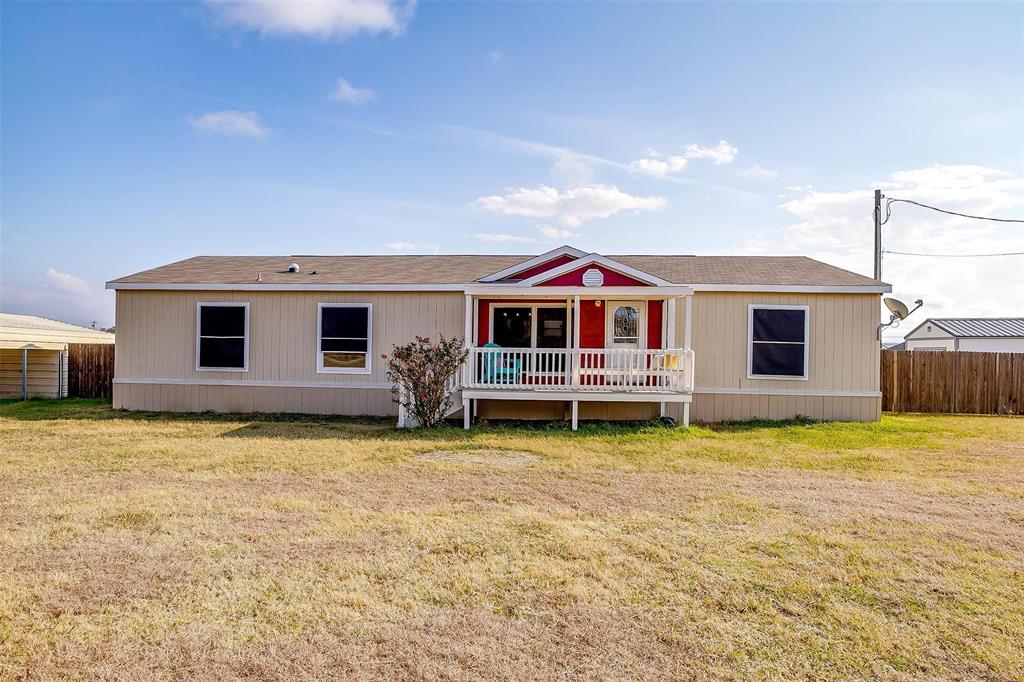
x,y
294,267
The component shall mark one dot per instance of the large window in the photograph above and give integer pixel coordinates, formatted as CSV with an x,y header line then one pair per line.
x,y
343,338
778,342
222,337
530,326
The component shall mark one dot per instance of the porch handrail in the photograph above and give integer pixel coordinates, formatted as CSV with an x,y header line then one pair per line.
x,y
631,370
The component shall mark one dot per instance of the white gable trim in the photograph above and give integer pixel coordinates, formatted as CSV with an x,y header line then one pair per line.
x,y
534,262
595,259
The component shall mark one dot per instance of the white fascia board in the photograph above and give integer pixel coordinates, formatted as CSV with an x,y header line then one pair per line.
x,y
479,289
515,291
594,259
281,286
799,288
534,262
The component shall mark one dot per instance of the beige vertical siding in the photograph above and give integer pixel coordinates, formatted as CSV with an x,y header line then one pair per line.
x,y
843,358
156,340
42,377
244,399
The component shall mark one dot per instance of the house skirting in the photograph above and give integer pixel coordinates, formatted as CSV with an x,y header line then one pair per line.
x,y
561,410
373,400
825,405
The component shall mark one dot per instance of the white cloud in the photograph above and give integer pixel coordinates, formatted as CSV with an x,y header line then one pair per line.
x,y
412,246
574,167
495,56
348,93
655,166
234,123
837,227
501,237
61,296
68,283
324,19
553,233
572,207
757,172
721,153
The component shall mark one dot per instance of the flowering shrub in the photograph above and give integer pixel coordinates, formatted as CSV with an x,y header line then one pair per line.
x,y
420,372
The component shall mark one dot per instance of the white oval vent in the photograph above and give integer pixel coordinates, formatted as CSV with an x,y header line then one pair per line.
x,y
593,278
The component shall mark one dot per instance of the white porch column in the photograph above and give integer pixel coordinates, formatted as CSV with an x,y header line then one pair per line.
x,y
575,414
467,412
467,338
686,415
687,335
576,322
574,355
670,325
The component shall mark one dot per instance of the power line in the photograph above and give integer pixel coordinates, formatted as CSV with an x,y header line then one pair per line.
x,y
956,255
888,212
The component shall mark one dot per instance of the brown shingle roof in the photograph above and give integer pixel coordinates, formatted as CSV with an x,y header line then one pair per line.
x,y
755,270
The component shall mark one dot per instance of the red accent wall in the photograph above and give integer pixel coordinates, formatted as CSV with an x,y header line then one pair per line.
x,y
537,269
654,339
591,324
575,278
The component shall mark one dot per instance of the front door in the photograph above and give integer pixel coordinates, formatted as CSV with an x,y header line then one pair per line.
x,y
624,330
624,326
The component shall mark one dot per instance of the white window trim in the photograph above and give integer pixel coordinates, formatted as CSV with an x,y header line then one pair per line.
x,y
609,322
806,342
320,369
199,328
533,327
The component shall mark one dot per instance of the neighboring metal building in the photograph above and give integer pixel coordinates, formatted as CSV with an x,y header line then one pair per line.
x,y
992,335
34,354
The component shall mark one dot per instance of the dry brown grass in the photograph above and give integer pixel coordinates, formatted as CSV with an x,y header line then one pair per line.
x,y
169,548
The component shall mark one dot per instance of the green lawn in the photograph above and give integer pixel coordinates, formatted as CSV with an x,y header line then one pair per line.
x,y
171,546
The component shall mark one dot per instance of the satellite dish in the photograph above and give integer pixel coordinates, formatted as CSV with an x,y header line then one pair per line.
x,y
898,309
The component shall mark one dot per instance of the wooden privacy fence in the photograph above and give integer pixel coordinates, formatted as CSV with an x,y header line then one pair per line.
x,y
953,381
91,370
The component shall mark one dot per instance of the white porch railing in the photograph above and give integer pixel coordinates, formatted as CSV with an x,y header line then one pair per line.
x,y
615,370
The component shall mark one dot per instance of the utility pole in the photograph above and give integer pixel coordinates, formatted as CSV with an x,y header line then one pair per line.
x,y
878,234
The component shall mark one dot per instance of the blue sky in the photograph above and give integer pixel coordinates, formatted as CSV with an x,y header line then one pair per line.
x,y
135,134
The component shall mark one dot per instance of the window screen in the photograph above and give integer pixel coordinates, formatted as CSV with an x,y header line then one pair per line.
x,y
778,342
222,336
344,338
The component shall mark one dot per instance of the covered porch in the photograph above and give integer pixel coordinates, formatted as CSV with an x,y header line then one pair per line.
x,y
589,343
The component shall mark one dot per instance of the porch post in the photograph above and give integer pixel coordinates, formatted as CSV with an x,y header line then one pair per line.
x,y
687,335
686,415
574,356
576,322
575,414
467,412
467,338
670,325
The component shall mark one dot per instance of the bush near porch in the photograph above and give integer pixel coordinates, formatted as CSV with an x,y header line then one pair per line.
x,y
278,547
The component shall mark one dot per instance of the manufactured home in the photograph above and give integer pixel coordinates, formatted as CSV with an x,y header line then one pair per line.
x,y
563,335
